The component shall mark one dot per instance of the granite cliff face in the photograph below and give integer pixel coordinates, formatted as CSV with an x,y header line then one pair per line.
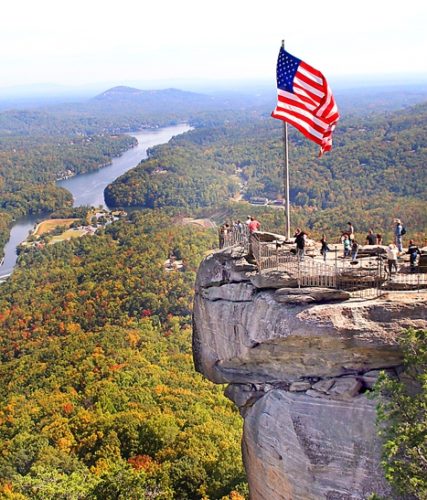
x,y
299,364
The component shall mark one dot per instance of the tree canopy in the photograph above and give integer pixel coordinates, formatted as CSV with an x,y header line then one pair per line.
x,y
99,395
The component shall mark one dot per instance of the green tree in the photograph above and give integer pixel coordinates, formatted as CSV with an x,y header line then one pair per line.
x,y
402,416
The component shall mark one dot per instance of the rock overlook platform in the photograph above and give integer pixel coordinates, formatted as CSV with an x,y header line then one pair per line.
x,y
299,364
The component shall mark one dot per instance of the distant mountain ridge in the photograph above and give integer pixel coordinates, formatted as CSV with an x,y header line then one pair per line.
x,y
124,108
130,99
122,91
118,109
119,89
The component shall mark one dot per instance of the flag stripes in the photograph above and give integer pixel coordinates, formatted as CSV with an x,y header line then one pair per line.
x,y
305,100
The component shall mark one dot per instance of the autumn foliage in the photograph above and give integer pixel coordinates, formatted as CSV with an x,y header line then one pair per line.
x,y
99,399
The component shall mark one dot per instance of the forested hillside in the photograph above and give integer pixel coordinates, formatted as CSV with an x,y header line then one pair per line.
x,y
98,394
38,146
377,168
188,172
29,165
118,110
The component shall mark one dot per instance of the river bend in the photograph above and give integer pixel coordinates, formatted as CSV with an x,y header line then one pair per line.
x,y
88,189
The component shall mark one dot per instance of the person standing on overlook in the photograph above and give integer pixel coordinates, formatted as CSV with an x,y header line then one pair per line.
x,y
325,248
300,238
399,231
371,239
238,227
345,238
350,231
254,225
413,252
392,253
223,231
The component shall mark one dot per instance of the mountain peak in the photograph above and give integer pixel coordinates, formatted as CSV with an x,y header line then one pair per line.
x,y
120,90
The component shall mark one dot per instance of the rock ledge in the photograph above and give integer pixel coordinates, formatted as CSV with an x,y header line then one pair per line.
x,y
299,363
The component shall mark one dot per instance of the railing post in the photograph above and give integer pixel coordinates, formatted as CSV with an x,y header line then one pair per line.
x,y
336,266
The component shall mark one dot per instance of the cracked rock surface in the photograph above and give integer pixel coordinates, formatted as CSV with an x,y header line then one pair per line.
x,y
299,364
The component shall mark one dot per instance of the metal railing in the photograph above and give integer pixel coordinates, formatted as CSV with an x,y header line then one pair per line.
x,y
235,236
270,255
406,279
312,273
366,277
363,278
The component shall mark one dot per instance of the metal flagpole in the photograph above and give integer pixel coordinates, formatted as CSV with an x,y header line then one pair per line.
x,y
286,176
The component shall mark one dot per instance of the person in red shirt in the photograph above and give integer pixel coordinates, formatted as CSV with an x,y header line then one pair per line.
x,y
254,225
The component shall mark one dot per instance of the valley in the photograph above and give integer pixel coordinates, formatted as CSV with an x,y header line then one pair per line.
x,y
99,398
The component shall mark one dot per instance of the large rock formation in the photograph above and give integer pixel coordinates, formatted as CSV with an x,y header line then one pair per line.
x,y
299,364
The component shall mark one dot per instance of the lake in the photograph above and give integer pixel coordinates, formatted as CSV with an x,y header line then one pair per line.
x,y
88,189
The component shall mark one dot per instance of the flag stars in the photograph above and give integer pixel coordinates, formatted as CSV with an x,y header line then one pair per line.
x,y
287,66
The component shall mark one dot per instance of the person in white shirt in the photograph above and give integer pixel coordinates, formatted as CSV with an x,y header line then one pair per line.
x,y
392,253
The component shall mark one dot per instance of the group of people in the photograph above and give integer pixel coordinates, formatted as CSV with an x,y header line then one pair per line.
x,y
249,226
350,245
395,249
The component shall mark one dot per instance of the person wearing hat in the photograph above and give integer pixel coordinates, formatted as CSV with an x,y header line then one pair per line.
x,y
398,233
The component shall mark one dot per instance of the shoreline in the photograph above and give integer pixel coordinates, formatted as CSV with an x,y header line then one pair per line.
x,y
98,170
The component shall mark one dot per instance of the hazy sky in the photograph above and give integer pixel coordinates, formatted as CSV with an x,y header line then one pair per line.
x,y
164,42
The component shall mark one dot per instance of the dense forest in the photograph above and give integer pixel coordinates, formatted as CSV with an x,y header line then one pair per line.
x,y
375,171
98,393
40,145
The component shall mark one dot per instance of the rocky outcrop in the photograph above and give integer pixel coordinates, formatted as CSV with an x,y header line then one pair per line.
x,y
299,364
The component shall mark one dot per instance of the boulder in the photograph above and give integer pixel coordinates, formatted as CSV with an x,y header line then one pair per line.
x,y
267,237
324,385
233,292
274,279
295,299
225,266
370,378
338,388
299,386
239,270
243,395
372,250
311,294
345,388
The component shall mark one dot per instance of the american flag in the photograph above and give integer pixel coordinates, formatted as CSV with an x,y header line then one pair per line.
x,y
305,100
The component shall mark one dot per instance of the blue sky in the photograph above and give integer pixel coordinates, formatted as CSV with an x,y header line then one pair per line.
x,y
165,43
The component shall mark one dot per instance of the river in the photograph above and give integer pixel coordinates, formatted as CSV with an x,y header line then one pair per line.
x,y
88,189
